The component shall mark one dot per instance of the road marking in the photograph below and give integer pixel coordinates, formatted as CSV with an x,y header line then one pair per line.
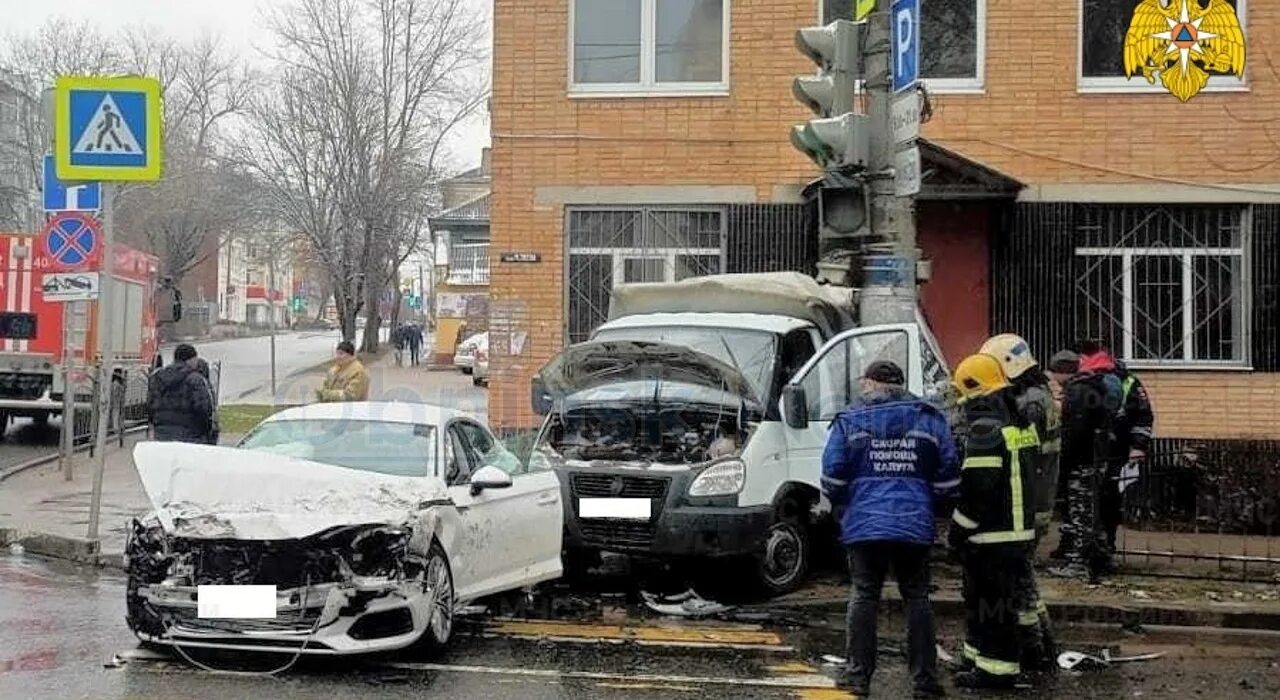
x,y
698,637
796,682
650,686
823,694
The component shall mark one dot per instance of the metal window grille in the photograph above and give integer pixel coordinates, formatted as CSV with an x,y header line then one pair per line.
x,y
1169,283
469,263
614,246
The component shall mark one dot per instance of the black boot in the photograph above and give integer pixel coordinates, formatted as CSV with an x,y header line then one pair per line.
x,y
977,679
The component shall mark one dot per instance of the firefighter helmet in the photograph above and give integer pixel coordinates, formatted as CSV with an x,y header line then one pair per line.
x,y
1012,352
979,375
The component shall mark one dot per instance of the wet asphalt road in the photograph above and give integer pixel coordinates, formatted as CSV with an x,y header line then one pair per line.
x,y
63,625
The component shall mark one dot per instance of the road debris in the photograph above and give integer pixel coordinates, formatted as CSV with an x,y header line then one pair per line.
x,y
687,604
1079,661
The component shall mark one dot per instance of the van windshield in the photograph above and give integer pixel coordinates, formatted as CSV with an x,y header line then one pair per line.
x,y
752,352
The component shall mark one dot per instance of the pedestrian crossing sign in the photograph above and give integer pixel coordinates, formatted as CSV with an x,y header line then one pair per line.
x,y
107,129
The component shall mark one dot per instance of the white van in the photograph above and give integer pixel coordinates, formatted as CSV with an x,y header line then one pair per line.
x,y
691,425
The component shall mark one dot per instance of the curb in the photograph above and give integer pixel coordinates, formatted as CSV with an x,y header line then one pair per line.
x,y
1129,616
74,549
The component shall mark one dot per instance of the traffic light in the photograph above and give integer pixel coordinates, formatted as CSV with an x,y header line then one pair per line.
x,y
838,139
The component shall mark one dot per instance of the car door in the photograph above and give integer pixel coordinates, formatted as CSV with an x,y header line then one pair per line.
x,y
472,568
831,383
523,523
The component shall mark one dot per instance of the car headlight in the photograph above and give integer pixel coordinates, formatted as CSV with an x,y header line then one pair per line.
x,y
723,479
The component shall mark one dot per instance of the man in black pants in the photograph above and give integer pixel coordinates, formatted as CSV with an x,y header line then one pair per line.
x,y
889,458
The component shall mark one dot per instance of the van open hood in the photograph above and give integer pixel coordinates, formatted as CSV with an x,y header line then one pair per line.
x,y
596,363
205,492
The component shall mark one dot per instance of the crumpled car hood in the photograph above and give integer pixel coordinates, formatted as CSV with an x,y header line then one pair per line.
x,y
205,492
596,363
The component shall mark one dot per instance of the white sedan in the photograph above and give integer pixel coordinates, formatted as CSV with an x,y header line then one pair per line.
x,y
335,528
465,358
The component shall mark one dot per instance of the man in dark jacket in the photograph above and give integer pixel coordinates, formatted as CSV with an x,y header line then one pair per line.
x,y
416,341
1133,421
179,400
1086,446
888,460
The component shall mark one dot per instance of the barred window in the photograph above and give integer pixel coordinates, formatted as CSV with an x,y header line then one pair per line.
x,y
643,244
1169,287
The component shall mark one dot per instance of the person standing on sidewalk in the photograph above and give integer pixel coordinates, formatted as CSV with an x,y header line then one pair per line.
x,y
399,338
1086,445
179,401
1132,428
889,459
347,379
1035,403
993,526
416,341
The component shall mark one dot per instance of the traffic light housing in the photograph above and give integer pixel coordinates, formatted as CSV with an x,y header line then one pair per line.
x,y
837,140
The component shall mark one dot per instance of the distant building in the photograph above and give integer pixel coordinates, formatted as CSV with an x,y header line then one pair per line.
x,y
461,237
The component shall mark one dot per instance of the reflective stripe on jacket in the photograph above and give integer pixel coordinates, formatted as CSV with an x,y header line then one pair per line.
x,y
997,477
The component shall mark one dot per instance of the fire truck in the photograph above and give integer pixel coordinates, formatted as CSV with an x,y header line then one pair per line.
x,y
39,333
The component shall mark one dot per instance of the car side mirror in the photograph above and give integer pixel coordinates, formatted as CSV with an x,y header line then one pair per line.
x,y
539,398
795,406
489,478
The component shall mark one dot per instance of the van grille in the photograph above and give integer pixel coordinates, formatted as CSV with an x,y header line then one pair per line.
x,y
611,534
611,486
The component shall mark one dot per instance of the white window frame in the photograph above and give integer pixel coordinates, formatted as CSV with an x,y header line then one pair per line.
x,y
977,85
648,85
1187,256
1138,85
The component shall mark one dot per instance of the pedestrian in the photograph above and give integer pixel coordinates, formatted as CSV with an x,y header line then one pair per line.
x,y
215,428
416,341
179,402
1132,429
1086,444
1036,406
890,460
993,526
399,337
347,379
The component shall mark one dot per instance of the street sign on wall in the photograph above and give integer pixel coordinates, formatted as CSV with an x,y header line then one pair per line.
x,y
107,129
904,41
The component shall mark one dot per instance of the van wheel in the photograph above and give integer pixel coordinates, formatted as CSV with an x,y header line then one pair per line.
x,y
783,565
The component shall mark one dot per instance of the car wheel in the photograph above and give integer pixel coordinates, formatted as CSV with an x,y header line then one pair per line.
x,y
476,381
466,370
437,583
783,564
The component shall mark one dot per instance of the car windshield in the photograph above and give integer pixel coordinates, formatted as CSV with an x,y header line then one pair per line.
x,y
751,352
398,449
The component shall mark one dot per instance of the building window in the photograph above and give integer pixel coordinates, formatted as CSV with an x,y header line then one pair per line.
x,y
1103,25
952,40
468,264
608,247
1172,288
649,46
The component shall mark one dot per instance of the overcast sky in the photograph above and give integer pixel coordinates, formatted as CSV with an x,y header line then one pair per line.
x,y
238,22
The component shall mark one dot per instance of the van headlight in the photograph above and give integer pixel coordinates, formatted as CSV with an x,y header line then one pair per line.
x,y
722,479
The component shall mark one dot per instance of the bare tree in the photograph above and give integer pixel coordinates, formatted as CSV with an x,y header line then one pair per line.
x,y
350,135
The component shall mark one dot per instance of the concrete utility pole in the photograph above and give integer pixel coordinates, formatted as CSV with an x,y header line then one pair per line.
x,y
890,293
866,146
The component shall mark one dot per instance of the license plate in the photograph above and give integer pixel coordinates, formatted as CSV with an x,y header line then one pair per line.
x,y
615,508
235,602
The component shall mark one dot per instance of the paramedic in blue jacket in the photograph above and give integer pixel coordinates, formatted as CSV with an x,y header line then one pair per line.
x,y
890,459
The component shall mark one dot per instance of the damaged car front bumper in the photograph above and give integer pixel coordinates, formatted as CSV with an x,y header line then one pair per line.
x,y
358,617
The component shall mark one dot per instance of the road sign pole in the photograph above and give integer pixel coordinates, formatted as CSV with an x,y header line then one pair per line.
x,y
68,436
892,298
106,355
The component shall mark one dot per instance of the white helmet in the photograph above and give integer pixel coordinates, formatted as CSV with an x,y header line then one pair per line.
x,y
1013,353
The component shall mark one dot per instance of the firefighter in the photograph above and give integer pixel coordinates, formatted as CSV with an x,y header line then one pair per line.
x,y
1086,447
1036,406
1133,421
993,527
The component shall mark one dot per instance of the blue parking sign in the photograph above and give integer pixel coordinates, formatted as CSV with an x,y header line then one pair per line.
x,y
904,39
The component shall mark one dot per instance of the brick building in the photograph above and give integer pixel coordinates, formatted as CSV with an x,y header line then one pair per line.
x,y
644,140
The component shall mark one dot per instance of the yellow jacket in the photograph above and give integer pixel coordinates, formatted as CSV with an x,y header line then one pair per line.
x,y
349,382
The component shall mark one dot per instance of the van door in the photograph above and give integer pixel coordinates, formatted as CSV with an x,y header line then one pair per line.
x,y
831,383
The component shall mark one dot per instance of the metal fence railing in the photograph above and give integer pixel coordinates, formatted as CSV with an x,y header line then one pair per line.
x,y
1208,507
